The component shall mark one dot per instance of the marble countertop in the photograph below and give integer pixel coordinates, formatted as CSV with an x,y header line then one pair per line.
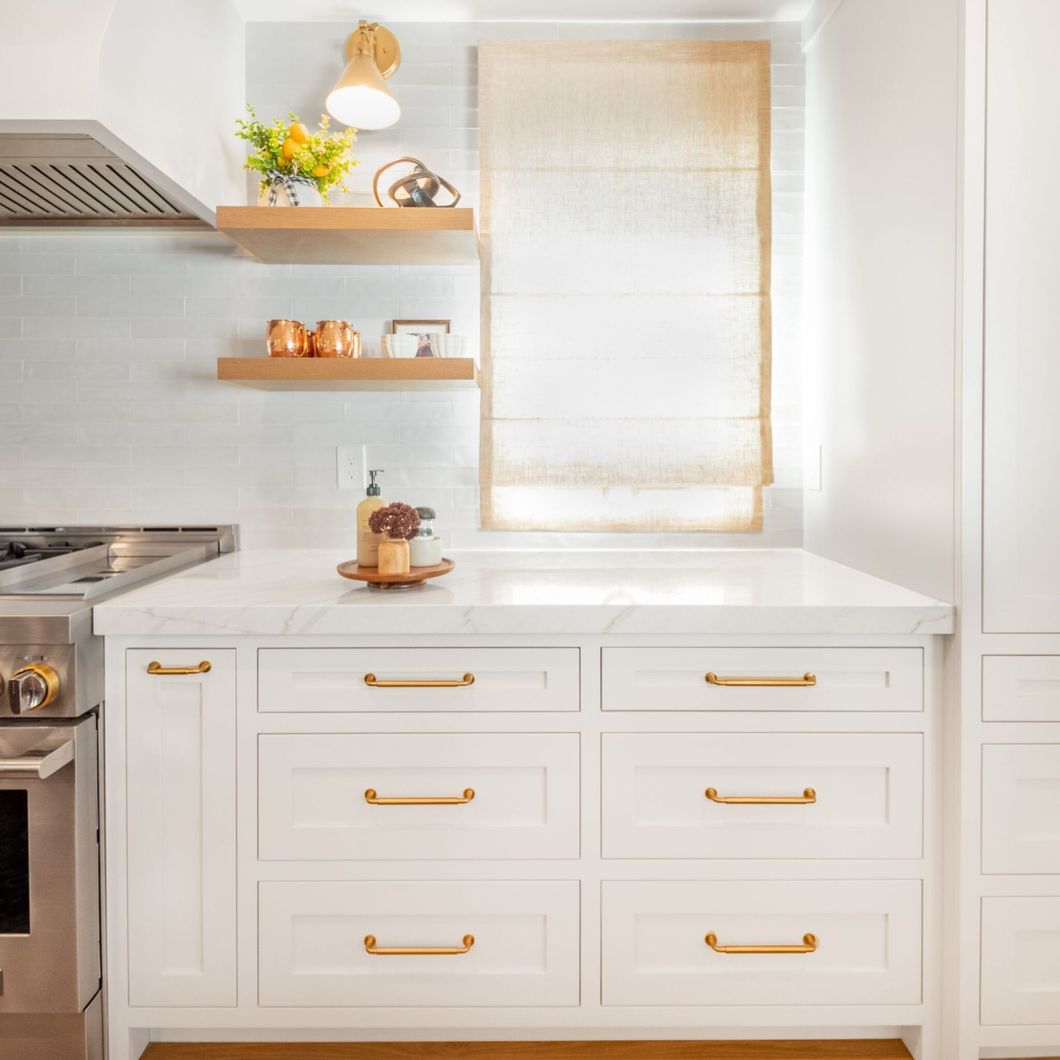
x,y
738,591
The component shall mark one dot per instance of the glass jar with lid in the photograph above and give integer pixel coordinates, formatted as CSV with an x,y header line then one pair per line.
x,y
425,549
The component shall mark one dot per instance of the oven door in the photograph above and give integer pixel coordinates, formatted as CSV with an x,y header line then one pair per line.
x,y
49,868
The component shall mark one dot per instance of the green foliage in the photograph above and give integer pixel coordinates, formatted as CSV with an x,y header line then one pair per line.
x,y
323,158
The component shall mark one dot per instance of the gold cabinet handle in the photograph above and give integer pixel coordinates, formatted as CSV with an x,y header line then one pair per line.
x,y
158,670
808,796
372,796
806,681
373,682
809,945
371,947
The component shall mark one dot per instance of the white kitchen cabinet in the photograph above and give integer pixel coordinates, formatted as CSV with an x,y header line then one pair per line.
x,y
400,796
1021,688
795,679
356,944
1021,808
181,844
321,865
1020,975
762,795
394,680
684,943
1021,445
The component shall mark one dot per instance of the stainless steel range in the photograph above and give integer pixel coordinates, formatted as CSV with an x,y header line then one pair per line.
x,y
51,692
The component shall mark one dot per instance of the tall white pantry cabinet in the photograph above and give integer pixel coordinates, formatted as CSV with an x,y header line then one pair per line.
x,y
1007,944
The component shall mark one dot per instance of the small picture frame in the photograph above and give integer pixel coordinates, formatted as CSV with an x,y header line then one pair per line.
x,y
423,330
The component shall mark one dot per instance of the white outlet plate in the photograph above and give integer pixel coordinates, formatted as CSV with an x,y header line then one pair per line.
x,y
350,464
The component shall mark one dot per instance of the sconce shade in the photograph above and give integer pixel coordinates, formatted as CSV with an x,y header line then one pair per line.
x,y
360,97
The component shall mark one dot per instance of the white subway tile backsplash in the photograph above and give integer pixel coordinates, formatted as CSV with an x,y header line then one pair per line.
x,y
108,338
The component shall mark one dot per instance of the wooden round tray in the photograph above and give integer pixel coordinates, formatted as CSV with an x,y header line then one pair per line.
x,y
415,577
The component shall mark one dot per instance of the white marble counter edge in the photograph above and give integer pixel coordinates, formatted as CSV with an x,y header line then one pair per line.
x,y
646,619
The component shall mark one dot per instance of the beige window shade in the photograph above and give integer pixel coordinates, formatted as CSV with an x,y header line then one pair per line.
x,y
625,224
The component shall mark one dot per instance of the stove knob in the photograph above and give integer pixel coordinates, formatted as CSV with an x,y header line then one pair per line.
x,y
34,686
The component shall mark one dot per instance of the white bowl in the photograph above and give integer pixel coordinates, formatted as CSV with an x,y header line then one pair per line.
x,y
450,345
399,345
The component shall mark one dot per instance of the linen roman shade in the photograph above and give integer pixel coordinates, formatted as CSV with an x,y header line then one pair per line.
x,y
625,225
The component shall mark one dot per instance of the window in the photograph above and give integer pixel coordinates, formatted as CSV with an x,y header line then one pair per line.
x,y
626,239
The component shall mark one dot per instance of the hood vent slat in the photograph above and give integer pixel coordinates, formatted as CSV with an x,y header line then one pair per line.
x,y
74,178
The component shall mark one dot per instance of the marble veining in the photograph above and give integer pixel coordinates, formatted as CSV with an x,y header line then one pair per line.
x,y
278,592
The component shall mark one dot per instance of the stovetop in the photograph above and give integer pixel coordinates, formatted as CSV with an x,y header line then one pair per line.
x,y
20,552
85,563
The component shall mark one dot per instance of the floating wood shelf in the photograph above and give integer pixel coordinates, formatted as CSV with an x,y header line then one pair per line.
x,y
352,235
326,373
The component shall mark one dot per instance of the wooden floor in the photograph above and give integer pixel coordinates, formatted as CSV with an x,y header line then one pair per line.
x,y
875,1049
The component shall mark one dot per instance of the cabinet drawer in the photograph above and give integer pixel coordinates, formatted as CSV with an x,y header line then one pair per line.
x,y
843,679
865,941
861,795
1021,961
1021,688
506,943
328,796
1021,808
418,679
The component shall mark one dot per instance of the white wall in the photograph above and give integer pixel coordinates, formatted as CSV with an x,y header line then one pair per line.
x,y
108,339
881,172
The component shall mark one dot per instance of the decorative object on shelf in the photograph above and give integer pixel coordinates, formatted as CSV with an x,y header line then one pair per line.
x,y
415,327
286,338
449,345
399,345
360,97
336,338
297,167
425,550
375,580
398,523
426,332
416,188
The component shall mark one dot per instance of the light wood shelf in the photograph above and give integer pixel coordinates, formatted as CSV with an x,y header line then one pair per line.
x,y
327,373
352,235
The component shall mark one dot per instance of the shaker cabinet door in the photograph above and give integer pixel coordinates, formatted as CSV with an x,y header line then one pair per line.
x,y
1021,503
180,731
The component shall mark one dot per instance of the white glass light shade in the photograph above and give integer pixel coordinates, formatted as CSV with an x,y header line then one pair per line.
x,y
360,97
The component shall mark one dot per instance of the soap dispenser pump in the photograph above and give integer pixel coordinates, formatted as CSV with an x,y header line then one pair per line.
x,y
367,542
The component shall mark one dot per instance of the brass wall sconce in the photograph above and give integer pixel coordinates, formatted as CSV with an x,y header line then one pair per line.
x,y
360,97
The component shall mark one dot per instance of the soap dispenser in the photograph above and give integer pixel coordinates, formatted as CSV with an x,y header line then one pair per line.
x,y
367,542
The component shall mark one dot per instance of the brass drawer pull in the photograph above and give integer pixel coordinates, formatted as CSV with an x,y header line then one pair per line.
x,y
371,947
806,681
808,796
372,796
158,670
809,945
373,682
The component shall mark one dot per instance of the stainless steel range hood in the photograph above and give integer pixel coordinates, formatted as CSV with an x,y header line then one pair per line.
x,y
48,178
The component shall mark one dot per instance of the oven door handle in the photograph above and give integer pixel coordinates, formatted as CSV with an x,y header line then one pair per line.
x,y
38,764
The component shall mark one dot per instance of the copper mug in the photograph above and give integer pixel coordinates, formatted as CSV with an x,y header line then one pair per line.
x,y
336,338
286,338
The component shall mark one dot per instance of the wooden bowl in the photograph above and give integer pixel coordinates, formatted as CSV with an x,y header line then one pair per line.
x,y
415,577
